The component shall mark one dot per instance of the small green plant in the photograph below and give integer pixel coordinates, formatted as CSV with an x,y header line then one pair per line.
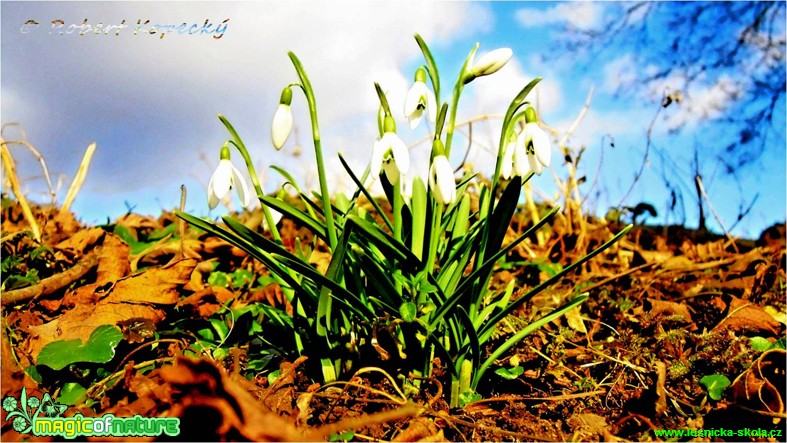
x,y
715,384
762,344
416,283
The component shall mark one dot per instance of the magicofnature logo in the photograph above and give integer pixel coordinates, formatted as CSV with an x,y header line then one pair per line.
x,y
43,418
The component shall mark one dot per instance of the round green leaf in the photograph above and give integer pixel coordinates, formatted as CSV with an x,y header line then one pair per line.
x,y
100,348
510,374
408,311
715,384
761,344
72,394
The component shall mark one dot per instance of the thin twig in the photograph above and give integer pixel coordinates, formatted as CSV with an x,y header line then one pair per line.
x,y
701,188
90,392
34,151
365,421
550,398
649,142
51,284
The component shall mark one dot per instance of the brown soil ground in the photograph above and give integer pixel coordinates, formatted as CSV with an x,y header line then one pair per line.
x,y
667,307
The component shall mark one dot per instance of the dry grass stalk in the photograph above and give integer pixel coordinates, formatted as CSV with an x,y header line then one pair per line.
x,y
24,143
79,179
13,178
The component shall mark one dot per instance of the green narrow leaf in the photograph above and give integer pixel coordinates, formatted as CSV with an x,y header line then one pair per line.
x,y
470,333
516,103
501,216
549,282
418,206
366,193
383,240
431,67
529,329
487,268
459,228
334,268
490,262
285,208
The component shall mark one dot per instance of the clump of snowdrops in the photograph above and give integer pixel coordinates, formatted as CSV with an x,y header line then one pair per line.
x,y
421,276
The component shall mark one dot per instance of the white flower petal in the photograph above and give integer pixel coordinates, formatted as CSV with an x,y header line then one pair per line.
x,y
541,144
413,99
282,125
419,97
377,159
415,118
431,105
400,152
213,200
220,183
521,166
441,180
491,62
508,160
243,189
391,171
535,165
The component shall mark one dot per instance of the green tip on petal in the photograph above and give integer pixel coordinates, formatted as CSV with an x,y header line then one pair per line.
x,y
437,148
530,115
286,96
389,125
225,152
420,75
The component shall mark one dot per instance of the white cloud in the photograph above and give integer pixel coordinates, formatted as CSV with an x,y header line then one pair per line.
x,y
151,103
619,74
704,101
700,99
579,15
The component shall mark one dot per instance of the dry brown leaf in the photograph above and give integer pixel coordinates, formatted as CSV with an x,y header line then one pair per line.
x,y
113,253
762,386
112,260
207,301
83,240
669,308
132,297
202,390
136,222
745,315
589,426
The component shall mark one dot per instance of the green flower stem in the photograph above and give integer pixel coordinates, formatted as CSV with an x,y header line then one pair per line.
x,y
509,121
460,84
434,240
397,213
241,147
449,132
324,193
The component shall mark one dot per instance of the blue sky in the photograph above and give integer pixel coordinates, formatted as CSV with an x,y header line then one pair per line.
x,y
150,103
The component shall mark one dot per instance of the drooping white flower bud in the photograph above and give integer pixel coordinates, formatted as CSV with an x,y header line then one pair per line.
x,y
282,120
224,178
